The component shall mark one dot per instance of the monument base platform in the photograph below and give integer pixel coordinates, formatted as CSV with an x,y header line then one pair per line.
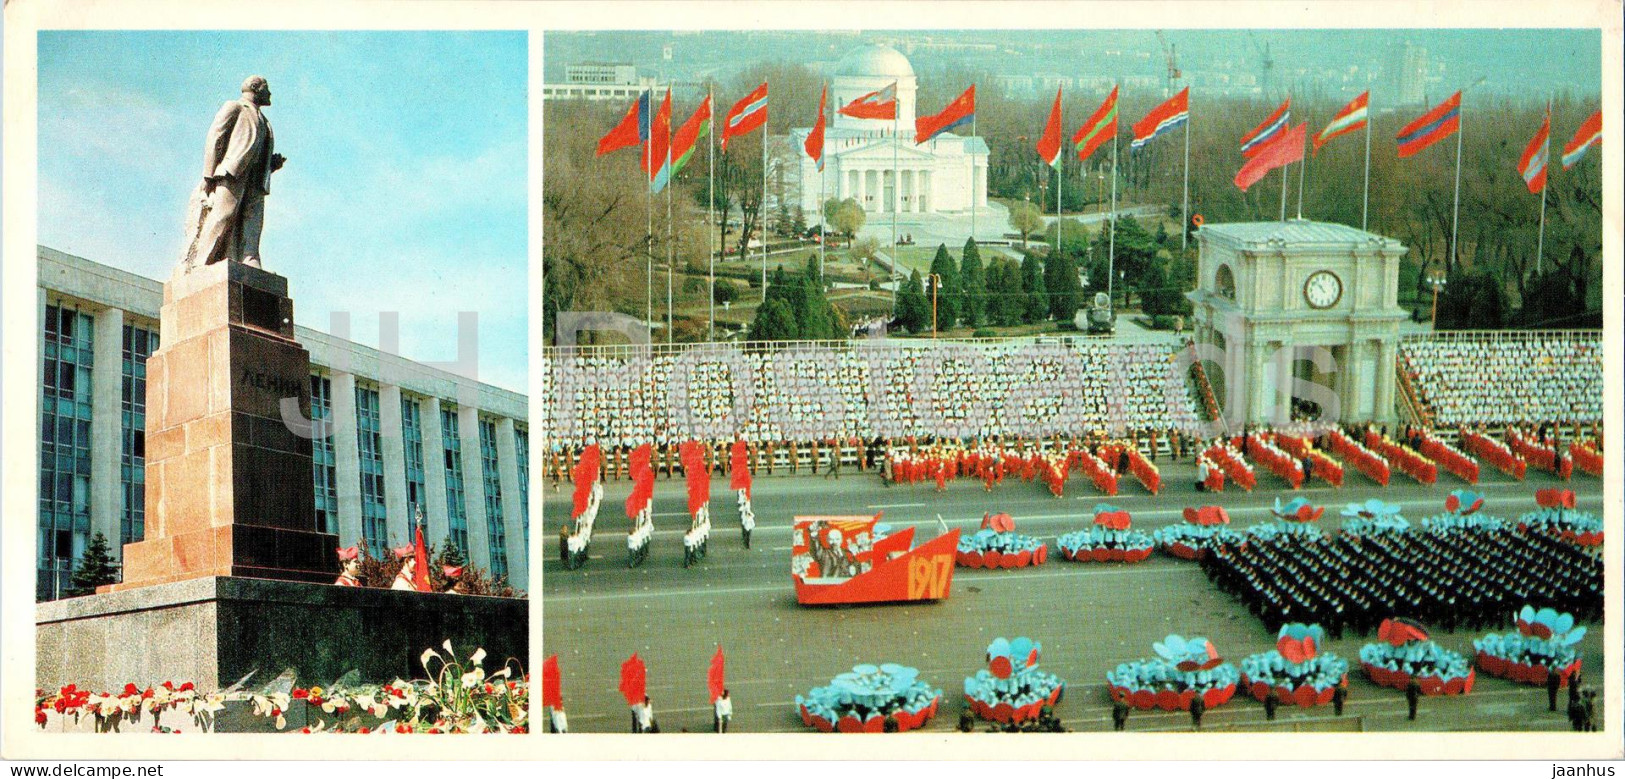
x,y
213,631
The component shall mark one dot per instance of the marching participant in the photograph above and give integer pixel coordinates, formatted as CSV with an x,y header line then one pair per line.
x,y
699,501
588,495
350,562
640,506
739,480
408,573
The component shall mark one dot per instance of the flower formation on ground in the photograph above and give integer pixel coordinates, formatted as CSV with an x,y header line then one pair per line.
x,y
1204,529
1461,515
1296,668
1374,517
997,545
1108,540
1404,652
1558,517
1269,531
1183,669
1011,688
863,698
457,696
1543,642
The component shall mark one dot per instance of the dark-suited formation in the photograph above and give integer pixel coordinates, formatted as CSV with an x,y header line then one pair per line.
x,y
1464,578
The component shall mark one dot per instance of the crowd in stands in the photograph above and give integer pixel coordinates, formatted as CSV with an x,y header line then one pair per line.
x,y
1516,380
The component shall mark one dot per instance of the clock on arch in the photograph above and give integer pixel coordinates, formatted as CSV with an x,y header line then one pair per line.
x,y
1323,289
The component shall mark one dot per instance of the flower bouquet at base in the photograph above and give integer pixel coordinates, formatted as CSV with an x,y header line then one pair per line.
x,y
1461,516
1205,528
1557,517
1183,669
1296,517
1405,652
860,700
998,545
1296,668
1374,517
1011,688
1544,642
1109,540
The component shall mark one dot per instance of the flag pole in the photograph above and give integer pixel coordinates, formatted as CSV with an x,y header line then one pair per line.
x,y
649,222
1111,240
896,189
973,189
1365,199
1545,155
671,252
761,213
823,227
711,217
1185,203
1060,179
1303,165
1283,193
1455,209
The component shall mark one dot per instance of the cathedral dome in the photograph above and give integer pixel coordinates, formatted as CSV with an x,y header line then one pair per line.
x,y
873,60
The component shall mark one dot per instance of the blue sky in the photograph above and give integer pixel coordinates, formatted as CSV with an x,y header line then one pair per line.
x,y
405,187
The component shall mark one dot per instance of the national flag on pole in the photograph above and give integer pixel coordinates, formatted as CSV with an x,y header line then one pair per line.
x,y
746,115
659,156
1431,127
1532,165
1589,134
688,136
961,111
1049,144
815,139
420,563
1351,118
1267,130
1100,127
1286,149
1175,111
879,104
632,130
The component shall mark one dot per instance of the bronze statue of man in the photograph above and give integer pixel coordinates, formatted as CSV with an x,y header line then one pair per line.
x,y
228,207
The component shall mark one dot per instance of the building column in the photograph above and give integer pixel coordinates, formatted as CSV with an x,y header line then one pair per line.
x,y
479,537
1256,397
1385,378
437,524
107,426
396,519
347,460
513,505
1351,380
863,188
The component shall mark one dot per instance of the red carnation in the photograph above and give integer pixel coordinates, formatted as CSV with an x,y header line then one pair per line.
x,y
300,693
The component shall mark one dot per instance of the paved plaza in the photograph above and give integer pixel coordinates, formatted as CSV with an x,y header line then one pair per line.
x,y
1089,617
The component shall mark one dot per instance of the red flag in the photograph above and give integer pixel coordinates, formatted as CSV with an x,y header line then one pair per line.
x,y
739,467
746,115
1436,125
585,473
1352,117
958,113
643,481
1049,144
634,679
1098,129
683,143
715,676
694,472
551,692
879,104
1589,134
657,162
633,129
815,139
1280,152
1532,165
1267,130
420,564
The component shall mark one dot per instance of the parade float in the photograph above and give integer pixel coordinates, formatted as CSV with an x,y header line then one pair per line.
x,y
1012,688
856,559
585,500
1404,652
1558,517
1373,517
1543,644
996,544
1461,515
1183,669
862,699
739,480
697,539
640,507
1109,541
1297,517
1295,669
1204,529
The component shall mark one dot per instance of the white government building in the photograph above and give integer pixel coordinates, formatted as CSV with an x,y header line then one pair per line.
x,y
407,437
944,175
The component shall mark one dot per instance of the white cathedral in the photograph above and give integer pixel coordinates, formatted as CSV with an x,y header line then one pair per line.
x,y
944,175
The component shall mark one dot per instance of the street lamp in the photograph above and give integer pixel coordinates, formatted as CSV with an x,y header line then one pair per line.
x,y
936,284
1436,280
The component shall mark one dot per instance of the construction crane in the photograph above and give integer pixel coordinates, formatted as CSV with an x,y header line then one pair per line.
x,y
1168,52
1266,65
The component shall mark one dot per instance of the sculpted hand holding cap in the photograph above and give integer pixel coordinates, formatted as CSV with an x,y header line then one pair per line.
x,y
227,210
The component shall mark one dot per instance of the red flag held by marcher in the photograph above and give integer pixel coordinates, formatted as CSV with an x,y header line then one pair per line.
x,y
739,467
694,472
551,687
585,473
634,679
715,676
1280,152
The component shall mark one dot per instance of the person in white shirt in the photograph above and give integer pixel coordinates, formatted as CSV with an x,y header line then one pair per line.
x,y
724,710
637,716
559,722
646,717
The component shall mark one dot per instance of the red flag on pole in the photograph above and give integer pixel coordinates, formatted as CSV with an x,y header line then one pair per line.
x,y
715,676
420,564
1280,152
815,139
739,467
1532,166
585,473
746,115
694,472
551,687
634,679
1049,144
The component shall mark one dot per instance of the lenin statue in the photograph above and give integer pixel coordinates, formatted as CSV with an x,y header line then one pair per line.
x,y
227,210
